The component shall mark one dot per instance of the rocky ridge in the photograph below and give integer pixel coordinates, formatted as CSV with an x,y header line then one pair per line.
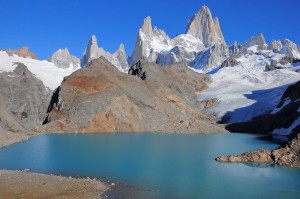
x,y
22,52
100,98
258,42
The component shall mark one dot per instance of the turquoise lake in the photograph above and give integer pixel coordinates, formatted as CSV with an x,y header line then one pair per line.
x,y
151,165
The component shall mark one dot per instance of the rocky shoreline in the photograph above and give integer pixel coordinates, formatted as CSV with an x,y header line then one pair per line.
x,y
286,155
24,184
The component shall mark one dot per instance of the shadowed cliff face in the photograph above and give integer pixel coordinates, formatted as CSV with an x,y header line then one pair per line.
x,y
285,116
99,98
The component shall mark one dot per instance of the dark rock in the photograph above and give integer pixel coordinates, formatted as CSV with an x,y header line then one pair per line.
x,y
137,70
231,61
273,66
288,59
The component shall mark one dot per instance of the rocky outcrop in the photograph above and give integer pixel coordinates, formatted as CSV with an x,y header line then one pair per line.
x,y
272,66
137,70
285,47
231,61
208,59
121,56
63,59
24,99
236,48
286,155
93,52
22,52
100,98
258,41
205,28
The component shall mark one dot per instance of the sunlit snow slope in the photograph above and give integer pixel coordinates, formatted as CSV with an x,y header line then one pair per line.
x,y
46,71
246,90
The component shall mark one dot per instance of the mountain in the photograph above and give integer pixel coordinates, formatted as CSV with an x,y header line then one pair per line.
x,y
24,100
203,46
285,47
92,52
63,59
202,26
257,41
100,98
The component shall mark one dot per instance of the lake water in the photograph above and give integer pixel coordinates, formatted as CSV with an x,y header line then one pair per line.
x,y
150,165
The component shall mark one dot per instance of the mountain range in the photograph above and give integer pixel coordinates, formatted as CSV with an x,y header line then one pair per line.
x,y
191,83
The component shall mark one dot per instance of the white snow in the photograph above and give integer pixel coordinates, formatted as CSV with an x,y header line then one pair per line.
x,y
47,72
159,42
246,90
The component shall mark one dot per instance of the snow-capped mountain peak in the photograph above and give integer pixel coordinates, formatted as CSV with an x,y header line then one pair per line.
x,y
203,31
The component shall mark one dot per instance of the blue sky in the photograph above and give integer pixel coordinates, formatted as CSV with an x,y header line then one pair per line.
x,y
46,26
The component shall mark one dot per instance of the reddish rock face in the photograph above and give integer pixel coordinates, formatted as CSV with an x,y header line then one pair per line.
x,y
99,98
22,52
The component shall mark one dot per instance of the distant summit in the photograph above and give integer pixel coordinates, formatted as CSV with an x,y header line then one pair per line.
x,y
22,52
93,52
202,32
63,59
205,28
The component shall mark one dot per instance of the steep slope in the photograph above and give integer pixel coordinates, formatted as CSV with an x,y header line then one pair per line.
x,y
100,98
63,59
24,99
47,72
92,52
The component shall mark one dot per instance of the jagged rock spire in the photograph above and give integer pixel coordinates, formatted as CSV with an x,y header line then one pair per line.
x,y
147,26
205,28
119,58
